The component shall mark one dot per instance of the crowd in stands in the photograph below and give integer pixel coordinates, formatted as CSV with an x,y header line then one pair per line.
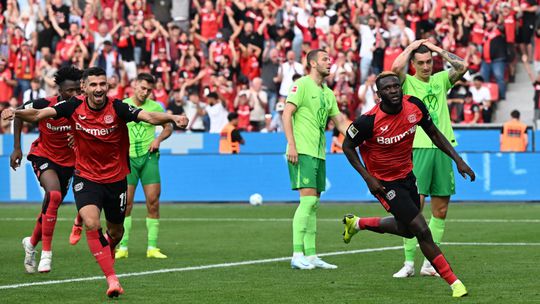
x,y
215,57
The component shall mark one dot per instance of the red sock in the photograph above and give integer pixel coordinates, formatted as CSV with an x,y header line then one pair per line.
x,y
101,251
36,234
443,268
365,222
54,199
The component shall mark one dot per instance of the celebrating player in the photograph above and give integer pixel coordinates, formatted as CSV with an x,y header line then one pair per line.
x,y
102,141
53,161
144,160
431,166
309,104
385,136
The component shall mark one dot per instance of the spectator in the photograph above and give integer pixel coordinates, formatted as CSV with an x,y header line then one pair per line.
x,y
472,113
276,125
269,71
367,94
217,112
160,93
514,136
535,79
482,97
194,110
286,72
494,56
7,83
258,102
241,104
456,99
35,91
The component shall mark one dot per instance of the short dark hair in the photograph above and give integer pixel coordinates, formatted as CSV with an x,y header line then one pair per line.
x,y
212,95
232,115
478,78
313,55
515,114
93,71
422,49
146,77
383,75
67,73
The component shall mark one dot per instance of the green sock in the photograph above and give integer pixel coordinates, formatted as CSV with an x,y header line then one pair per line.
x,y
152,225
300,221
410,249
127,228
436,225
311,231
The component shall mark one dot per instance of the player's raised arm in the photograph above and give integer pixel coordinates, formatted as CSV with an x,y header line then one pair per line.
x,y
401,61
30,115
156,118
459,66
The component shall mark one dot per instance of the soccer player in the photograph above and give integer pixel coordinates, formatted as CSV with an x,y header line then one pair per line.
x,y
144,161
309,104
385,136
102,163
53,161
431,166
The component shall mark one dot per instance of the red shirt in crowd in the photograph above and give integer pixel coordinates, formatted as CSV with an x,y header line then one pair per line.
x,y
25,65
390,54
510,28
6,91
210,23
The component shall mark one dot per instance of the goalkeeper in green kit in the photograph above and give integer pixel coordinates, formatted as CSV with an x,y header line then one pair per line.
x,y
144,160
432,168
309,105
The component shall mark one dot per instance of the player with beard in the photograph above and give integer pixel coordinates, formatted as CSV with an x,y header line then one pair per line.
x,y
309,104
53,161
385,137
102,163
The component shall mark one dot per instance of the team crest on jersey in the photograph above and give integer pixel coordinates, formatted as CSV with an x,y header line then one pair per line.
x,y
305,180
352,131
412,118
44,166
78,187
108,119
390,195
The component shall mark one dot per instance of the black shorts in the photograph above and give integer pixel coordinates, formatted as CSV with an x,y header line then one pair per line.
x,y
110,197
525,34
402,199
42,164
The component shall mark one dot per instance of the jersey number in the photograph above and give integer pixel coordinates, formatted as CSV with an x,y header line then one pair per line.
x,y
123,201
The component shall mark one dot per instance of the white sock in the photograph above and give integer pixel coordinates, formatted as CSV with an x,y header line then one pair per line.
x,y
357,224
311,257
46,254
409,264
296,255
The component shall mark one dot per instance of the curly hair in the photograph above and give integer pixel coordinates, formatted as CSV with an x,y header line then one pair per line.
x,y
67,73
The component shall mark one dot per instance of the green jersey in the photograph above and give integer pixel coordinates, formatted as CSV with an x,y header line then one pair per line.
x,y
141,134
433,95
314,104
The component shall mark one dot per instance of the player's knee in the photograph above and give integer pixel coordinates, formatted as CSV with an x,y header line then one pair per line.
x,y
92,224
153,207
440,211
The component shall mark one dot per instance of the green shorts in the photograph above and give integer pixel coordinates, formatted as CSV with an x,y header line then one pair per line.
x,y
145,168
434,172
309,172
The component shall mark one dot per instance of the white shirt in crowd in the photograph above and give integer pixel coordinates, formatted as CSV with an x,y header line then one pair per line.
x,y
33,95
369,99
287,71
258,110
195,121
218,117
481,95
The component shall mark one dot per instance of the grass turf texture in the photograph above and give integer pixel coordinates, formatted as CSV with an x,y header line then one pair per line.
x,y
492,274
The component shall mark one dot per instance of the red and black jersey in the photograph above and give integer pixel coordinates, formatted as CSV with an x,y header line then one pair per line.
x,y
101,138
52,142
386,140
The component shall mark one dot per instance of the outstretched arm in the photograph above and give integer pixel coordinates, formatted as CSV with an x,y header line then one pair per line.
x,y
459,66
401,61
156,118
30,115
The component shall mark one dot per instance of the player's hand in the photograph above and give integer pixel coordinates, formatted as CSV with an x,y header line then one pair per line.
x,y
154,146
181,121
8,114
417,43
465,170
15,159
432,46
375,186
71,140
292,155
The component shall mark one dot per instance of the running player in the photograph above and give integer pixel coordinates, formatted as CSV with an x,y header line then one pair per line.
x,y
385,136
309,104
53,161
144,160
431,166
102,163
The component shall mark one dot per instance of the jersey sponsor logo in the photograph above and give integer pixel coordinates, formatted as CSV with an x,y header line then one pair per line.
x,y
82,117
58,128
78,187
294,89
44,166
96,132
108,119
352,131
395,139
384,129
412,118
390,195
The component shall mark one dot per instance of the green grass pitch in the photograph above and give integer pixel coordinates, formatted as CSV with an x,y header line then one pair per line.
x,y
493,270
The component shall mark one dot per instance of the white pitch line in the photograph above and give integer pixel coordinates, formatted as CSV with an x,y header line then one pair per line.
x,y
202,267
242,263
203,219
